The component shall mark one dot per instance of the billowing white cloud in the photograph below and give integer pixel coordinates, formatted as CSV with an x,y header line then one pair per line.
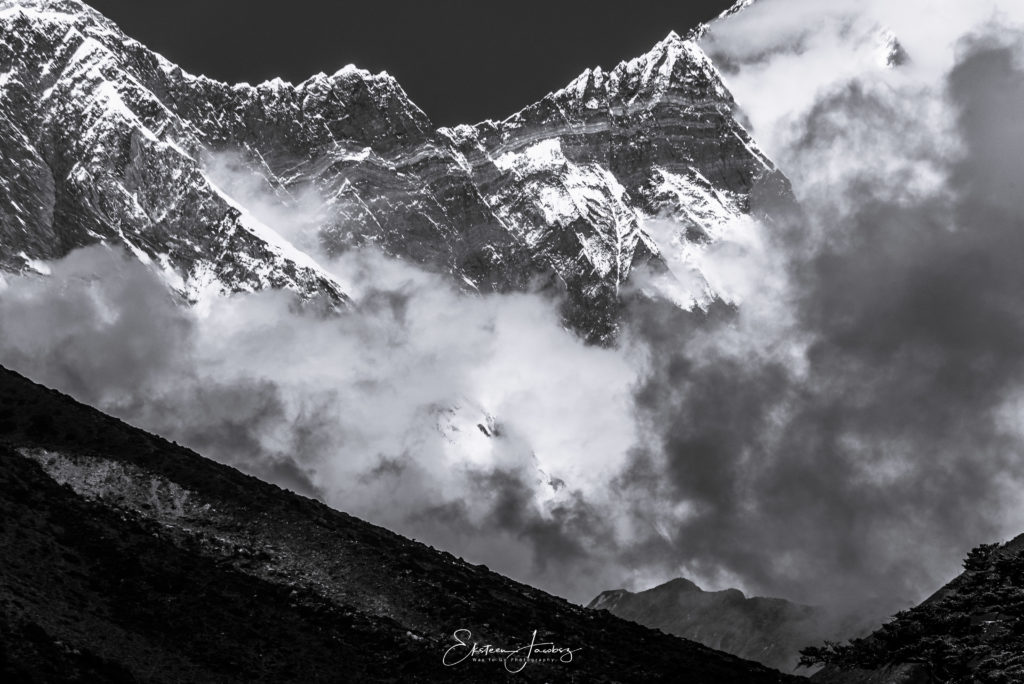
x,y
846,430
397,411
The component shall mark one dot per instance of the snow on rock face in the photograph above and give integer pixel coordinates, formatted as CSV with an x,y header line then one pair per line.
x,y
577,175
111,160
889,51
102,139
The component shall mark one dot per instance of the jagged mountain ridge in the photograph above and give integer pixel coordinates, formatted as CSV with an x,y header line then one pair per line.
x,y
104,139
767,630
93,154
128,558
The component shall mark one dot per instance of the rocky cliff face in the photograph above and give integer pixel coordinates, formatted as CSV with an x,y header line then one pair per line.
x,y
93,151
767,630
130,559
102,139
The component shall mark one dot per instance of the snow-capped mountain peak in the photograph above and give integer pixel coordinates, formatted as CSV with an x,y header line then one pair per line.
x,y
559,192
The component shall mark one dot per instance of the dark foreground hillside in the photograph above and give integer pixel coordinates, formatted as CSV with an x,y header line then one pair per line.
x,y
970,631
124,558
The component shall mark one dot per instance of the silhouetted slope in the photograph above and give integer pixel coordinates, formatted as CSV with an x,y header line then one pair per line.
x,y
971,630
96,594
151,563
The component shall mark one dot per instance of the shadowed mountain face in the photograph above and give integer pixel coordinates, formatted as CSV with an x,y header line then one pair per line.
x,y
103,139
127,558
768,630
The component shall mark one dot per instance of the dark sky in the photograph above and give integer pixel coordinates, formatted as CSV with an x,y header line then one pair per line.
x,y
460,61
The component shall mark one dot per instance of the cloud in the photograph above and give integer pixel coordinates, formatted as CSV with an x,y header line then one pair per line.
x,y
852,427
472,422
782,57
846,424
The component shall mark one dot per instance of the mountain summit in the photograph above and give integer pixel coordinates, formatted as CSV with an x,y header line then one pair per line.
x,y
767,630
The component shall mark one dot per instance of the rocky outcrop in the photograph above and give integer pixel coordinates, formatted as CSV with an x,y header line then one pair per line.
x,y
103,139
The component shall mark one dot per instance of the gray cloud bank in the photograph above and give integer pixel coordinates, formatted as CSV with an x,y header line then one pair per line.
x,y
853,427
